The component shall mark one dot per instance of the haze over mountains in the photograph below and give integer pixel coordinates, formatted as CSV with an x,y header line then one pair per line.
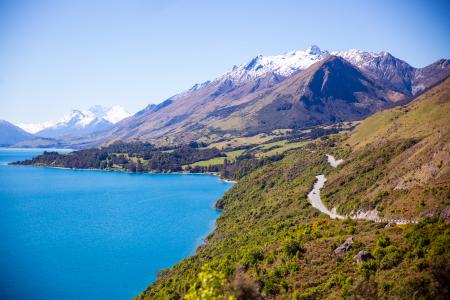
x,y
78,123
299,89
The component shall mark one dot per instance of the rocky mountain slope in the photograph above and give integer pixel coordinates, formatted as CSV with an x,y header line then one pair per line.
x,y
270,243
11,134
329,91
395,73
258,95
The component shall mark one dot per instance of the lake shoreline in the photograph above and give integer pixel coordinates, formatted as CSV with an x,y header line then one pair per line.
x,y
128,172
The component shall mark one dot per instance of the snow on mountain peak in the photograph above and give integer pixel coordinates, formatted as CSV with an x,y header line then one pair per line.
x,y
313,50
81,118
360,58
282,65
35,127
116,114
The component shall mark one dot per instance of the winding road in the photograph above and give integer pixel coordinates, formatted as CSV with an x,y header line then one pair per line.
x,y
316,201
314,198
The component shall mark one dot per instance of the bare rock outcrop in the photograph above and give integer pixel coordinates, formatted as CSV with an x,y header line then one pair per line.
x,y
362,256
344,247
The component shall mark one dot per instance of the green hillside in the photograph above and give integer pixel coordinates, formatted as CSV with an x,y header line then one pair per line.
x,y
270,243
398,161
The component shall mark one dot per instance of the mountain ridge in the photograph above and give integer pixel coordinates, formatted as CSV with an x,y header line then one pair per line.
x,y
11,134
195,113
229,104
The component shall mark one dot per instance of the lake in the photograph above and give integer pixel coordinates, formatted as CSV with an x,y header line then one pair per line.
x,y
78,234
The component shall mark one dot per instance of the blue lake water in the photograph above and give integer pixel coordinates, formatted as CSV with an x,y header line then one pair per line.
x,y
73,234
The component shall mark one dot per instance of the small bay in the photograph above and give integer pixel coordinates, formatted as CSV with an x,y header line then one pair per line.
x,y
76,234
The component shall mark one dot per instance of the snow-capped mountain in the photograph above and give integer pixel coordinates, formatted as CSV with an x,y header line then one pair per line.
x,y
113,114
382,66
396,73
275,68
265,71
35,127
391,71
282,65
78,122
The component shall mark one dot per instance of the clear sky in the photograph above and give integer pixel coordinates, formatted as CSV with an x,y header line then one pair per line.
x,y
59,55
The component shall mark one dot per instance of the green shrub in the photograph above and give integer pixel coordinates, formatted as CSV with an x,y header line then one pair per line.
x,y
291,247
253,257
383,241
393,256
367,267
209,286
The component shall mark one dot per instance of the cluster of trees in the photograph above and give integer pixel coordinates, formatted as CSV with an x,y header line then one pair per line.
x,y
138,148
84,159
134,157
246,164
240,167
311,134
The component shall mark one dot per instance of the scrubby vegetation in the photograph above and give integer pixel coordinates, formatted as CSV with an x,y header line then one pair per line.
x,y
269,235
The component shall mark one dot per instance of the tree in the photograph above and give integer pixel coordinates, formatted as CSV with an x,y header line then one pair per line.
x,y
139,167
209,286
132,167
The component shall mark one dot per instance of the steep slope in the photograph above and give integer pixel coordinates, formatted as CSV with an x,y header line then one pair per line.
x,y
11,134
430,75
330,91
231,102
399,163
269,242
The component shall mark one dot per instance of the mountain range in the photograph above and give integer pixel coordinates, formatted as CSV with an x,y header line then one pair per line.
x,y
78,122
299,89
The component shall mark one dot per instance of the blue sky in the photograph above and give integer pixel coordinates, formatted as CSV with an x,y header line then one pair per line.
x,y
59,55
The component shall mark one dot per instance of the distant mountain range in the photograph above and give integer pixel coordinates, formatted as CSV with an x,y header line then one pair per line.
x,y
296,90
76,124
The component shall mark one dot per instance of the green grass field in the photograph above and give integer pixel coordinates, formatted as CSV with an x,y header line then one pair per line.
x,y
217,160
284,146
